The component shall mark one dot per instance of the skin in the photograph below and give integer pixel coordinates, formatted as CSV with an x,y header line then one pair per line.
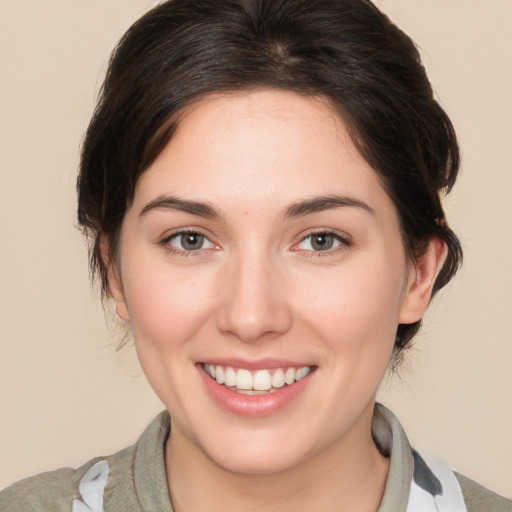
x,y
257,288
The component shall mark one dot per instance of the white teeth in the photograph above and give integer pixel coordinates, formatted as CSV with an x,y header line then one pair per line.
x,y
278,379
230,377
243,379
302,372
210,370
219,375
261,380
289,376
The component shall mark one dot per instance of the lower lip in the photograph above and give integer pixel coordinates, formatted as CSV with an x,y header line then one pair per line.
x,y
253,406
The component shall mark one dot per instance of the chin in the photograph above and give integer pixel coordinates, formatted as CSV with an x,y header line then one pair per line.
x,y
245,462
250,452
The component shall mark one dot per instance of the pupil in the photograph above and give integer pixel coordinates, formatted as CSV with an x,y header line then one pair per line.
x,y
322,242
192,241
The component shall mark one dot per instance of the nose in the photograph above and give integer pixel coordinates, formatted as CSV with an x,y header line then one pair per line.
x,y
253,304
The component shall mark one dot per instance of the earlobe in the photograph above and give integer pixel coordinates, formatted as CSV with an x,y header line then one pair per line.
x,y
122,311
421,281
114,281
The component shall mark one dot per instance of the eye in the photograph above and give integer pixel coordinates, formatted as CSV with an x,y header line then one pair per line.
x,y
321,242
189,241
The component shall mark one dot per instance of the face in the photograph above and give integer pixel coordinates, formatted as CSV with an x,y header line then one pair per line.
x,y
263,273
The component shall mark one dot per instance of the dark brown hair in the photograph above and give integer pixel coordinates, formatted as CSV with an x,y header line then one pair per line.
x,y
344,50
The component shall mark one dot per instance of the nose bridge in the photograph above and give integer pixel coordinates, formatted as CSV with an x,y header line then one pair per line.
x,y
254,302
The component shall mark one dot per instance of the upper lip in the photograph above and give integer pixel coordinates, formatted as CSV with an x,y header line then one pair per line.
x,y
256,364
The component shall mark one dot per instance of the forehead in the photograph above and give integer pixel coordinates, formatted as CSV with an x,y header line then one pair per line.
x,y
259,145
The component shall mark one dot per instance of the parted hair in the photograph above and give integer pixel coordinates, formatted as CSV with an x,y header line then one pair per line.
x,y
345,51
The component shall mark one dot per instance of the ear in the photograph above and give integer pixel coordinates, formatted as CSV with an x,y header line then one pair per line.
x,y
421,280
115,284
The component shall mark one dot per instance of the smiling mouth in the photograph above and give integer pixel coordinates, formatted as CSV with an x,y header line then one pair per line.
x,y
259,382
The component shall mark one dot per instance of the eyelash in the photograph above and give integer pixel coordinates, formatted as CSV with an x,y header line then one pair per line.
x,y
344,243
166,243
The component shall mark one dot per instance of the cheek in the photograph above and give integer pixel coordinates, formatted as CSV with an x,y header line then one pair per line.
x,y
167,308
169,312
354,310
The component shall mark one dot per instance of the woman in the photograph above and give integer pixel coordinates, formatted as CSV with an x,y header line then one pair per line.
x,y
260,184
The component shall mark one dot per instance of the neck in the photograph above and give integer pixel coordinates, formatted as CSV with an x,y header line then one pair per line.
x,y
349,475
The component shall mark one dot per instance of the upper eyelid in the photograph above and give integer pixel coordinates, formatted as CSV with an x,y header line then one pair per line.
x,y
185,231
167,243
345,237
342,236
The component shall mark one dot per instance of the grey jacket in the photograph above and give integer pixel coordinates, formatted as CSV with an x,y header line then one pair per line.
x,y
134,479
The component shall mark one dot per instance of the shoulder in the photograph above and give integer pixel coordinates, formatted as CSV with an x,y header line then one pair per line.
x,y
54,490
117,480
60,490
425,480
478,498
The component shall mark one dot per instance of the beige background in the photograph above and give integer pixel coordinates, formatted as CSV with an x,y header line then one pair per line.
x,y
64,394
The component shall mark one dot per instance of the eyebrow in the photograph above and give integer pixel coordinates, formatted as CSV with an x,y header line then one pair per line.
x,y
320,204
299,209
182,205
